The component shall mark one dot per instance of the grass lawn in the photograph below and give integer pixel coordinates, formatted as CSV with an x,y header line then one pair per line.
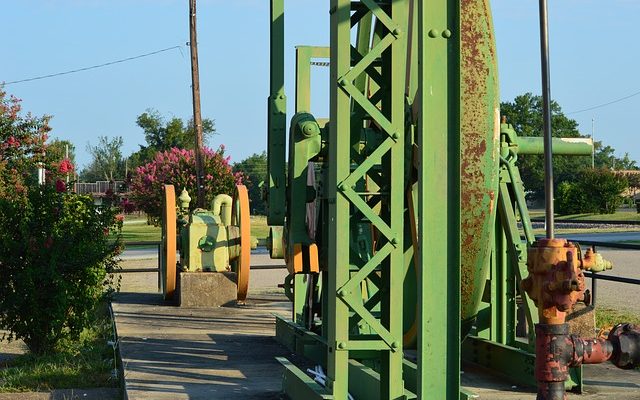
x,y
606,318
86,363
135,229
139,231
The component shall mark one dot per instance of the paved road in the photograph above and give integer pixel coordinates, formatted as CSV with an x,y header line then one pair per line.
x,y
143,253
604,237
620,296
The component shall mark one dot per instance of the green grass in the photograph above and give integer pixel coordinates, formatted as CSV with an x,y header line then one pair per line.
x,y
606,318
259,227
139,231
135,229
85,363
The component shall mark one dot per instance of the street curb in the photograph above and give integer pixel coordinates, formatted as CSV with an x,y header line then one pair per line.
x,y
123,381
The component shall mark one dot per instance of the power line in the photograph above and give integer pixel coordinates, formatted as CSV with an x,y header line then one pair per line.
x,y
605,104
93,66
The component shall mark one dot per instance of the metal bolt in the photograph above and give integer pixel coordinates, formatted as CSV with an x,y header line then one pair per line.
x,y
446,34
342,293
397,32
395,345
343,82
433,33
394,241
342,345
395,136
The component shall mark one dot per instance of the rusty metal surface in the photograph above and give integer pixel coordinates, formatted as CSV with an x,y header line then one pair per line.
x,y
591,351
480,127
169,242
555,282
240,217
625,339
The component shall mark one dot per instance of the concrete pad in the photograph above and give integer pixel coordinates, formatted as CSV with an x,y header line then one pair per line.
x,y
181,353
206,289
10,350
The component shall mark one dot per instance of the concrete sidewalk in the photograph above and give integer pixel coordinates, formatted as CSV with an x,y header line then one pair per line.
x,y
170,352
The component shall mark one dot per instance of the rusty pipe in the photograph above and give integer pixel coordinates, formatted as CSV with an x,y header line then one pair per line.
x,y
554,350
590,351
557,351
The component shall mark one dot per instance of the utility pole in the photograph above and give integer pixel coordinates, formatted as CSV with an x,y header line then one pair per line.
x,y
66,157
197,116
593,151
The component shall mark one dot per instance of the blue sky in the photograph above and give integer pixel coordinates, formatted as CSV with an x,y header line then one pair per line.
x,y
594,59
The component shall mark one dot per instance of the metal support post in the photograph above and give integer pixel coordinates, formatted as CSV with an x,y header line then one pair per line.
x,y
546,114
276,119
438,138
382,206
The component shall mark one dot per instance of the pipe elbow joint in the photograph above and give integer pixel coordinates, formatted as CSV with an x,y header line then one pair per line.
x,y
625,339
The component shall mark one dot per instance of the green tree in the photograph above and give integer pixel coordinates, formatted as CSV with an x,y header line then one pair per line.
x,y
107,163
254,169
162,135
525,114
593,191
57,150
605,158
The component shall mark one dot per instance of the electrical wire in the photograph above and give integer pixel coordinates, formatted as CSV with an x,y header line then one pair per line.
x,y
93,66
605,104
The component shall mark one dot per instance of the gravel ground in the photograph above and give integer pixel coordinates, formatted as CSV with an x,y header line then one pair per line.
x,y
569,225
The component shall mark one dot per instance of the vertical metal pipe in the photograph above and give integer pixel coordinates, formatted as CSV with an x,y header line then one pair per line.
x,y
546,111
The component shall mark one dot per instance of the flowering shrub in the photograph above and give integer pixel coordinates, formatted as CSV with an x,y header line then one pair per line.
x,y
178,167
56,252
56,248
22,144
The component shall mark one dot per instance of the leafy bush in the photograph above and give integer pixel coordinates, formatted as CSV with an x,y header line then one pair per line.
x,y
594,191
178,167
56,252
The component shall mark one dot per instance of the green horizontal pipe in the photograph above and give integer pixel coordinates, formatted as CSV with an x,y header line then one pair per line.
x,y
561,146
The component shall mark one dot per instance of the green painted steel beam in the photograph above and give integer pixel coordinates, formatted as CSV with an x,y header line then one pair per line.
x,y
561,146
517,364
337,315
276,119
298,385
304,56
438,137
